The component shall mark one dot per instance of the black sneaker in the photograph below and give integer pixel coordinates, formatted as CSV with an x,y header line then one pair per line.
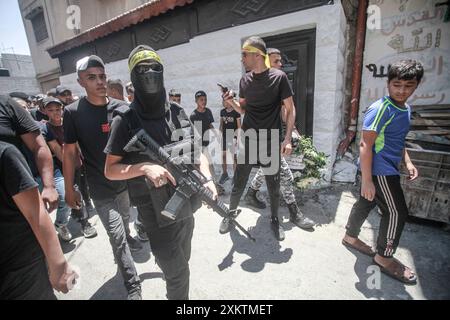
x,y
225,226
88,230
134,244
224,178
252,200
140,233
277,229
135,294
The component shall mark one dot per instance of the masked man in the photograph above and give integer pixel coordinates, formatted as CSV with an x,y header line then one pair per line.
x,y
170,241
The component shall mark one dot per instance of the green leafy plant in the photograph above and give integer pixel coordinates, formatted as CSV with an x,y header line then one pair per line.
x,y
313,160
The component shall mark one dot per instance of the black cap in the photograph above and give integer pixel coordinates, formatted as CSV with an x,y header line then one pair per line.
x,y
61,89
20,95
199,94
49,100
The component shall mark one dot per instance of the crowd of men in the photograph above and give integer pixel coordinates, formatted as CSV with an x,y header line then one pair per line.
x,y
66,153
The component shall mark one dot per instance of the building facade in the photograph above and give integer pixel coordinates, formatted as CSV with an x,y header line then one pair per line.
x,y
17,74
199,42
50,22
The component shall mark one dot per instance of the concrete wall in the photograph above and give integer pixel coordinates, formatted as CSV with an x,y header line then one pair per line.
x,y
22,74
415,30
215,57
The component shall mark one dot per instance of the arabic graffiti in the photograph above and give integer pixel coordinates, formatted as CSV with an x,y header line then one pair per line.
x,y
374,69
392,23
417,97
397,41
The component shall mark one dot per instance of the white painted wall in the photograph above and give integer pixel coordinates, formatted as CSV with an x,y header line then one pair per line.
x,y
385,46
215,57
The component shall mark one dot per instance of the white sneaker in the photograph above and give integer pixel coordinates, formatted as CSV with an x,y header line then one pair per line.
x,y
64,233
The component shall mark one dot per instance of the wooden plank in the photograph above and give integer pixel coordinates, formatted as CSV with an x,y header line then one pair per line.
x,y
432,132
427,138
439,115
431,107
430,123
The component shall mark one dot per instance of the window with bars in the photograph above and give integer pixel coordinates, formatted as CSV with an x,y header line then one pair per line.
x,y
39,27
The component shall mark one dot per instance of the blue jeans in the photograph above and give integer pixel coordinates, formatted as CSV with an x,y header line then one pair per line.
x,y
63,212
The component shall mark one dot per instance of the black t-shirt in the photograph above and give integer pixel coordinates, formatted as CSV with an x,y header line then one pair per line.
x,y
206,119
89,125
123,129
18,244
14,122
264,94
229,119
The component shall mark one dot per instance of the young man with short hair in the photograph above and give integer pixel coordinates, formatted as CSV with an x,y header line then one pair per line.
x,y
286,177
262,91
87,123
382,148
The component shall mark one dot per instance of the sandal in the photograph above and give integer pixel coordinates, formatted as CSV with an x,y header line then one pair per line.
x,y
360,246
396,270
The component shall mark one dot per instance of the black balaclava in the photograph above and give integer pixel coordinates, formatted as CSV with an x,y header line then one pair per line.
x,y
150,95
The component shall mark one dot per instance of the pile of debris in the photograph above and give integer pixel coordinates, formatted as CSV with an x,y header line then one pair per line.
x,y
430,128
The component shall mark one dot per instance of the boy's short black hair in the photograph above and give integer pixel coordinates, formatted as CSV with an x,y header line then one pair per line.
x,y
406,70
256,42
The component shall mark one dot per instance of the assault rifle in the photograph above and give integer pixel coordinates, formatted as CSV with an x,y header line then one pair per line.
x,y
190,181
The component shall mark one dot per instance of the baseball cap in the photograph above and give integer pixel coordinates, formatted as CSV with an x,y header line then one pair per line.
x,y
49,100
89,62
199,94
20,95
61,89
174,93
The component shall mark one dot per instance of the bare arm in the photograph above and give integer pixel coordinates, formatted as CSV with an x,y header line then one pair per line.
x,y
366,155
32,207
114,170
290,122
238,106
412,170
204,168
70,159
56,149
36,144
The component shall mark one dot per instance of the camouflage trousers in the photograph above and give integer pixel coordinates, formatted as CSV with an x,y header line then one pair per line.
x,y
286,182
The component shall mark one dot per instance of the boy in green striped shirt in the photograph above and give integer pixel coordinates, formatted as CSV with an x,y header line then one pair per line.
x,y
382,148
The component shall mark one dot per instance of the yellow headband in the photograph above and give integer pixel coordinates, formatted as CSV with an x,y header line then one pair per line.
x,y
252,49
142,56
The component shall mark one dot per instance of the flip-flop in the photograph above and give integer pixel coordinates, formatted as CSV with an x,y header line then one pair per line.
x,y
360,247
397,272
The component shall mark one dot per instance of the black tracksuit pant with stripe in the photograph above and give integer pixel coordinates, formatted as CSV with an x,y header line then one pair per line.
x,y
390,199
